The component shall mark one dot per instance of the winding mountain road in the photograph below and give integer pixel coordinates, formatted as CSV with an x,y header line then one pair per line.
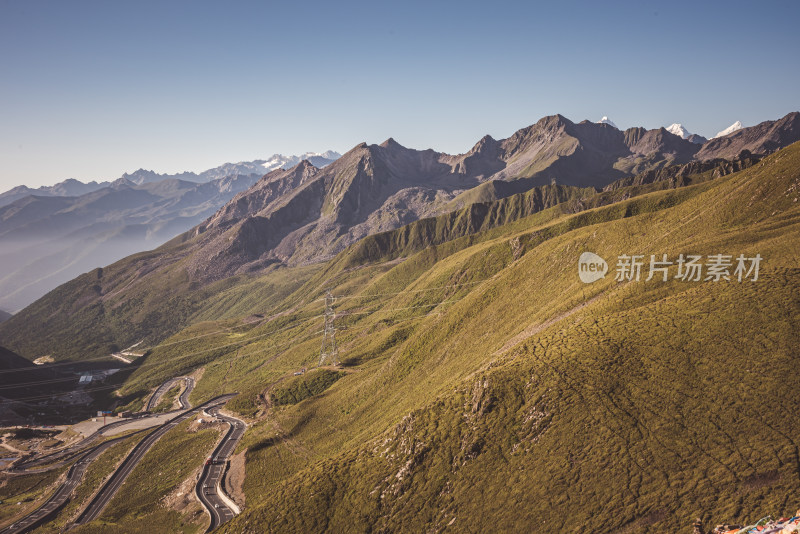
x,y
166,386
59,458
63,456
208,489
112,485
60,498
85,456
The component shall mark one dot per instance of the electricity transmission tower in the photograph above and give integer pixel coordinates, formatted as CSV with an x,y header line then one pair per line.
x,y
329,349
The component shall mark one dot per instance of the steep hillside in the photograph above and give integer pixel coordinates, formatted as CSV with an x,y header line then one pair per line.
x,y
692,172
305,215
482,366
764,138
150,295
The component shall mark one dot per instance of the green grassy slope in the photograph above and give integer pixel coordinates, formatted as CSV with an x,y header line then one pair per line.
x,y
140,505
531,399
29,490
483,367
95,475
487,388
146,297
149,296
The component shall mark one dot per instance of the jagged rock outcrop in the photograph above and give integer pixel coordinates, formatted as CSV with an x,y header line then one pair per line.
x,y
762,139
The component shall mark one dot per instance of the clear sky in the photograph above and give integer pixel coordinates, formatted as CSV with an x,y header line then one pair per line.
x,y
93,89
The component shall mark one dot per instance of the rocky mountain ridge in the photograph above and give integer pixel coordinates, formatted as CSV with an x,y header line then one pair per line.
x,y
305,214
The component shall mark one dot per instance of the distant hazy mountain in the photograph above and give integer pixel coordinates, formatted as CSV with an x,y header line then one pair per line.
x,y
47,240
258,166
4,316
72,187
69,187
729,130
51,234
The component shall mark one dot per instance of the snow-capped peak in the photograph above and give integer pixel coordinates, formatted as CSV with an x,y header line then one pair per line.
x,y
606,120
729,130
285,162
679,130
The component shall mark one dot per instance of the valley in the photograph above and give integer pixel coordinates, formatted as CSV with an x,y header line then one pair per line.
x,y
472,361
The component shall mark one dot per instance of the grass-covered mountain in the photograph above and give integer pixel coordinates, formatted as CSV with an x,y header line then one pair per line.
x,y
485,388
304,215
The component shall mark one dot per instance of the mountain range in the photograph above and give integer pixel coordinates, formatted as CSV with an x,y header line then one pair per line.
x,y
305,215
52,234
481,385
311,209
72,187
259,167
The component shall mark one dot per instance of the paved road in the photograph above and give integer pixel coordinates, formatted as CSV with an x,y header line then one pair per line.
x,y
59,458
209,486
61,496
166,386
75,474
110,488
66,454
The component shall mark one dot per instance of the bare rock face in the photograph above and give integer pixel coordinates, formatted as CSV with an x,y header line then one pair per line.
x,y
305,214
762,139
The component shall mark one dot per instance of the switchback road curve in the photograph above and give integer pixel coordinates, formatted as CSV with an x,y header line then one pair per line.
x,y
209,486
59,458
62,495
166,386
112,485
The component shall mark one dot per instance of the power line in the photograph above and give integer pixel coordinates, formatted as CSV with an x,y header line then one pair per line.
x,y
247,341
38,383
228,329
438,303
328,348
156,347
56,395
181,357
347,297
105,388
329,328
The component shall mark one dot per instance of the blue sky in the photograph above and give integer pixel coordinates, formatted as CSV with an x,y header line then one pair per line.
x,y
93,89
